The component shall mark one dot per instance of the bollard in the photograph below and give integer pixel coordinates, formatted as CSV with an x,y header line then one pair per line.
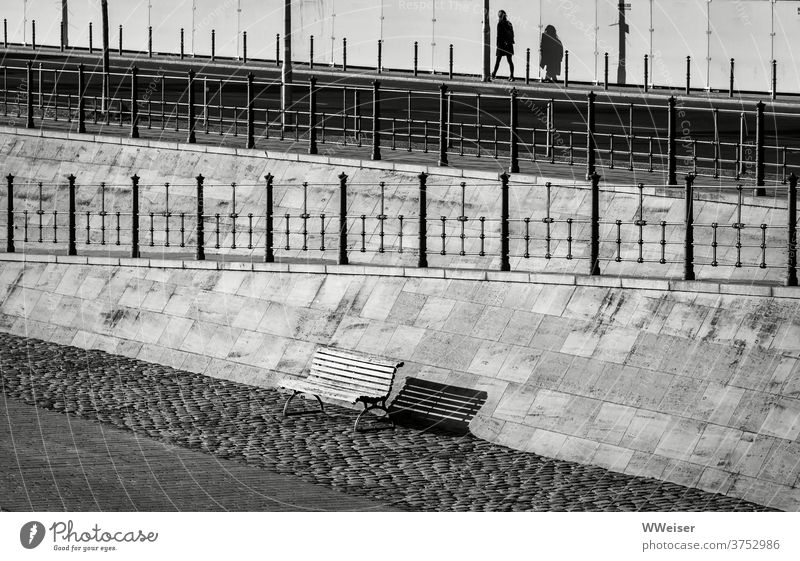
x,y
269,255
590,138
200,254
33,34
191,139
91,47
688,74
251,129
10,215
451,61
343,219
134,103
505,265
380,56
688,246
791,276
81,100
774,79
514,135
344,54
605,73
672,164
29,96
244,47
150,41
376,120
71,250
134,216
730,88
311,52
423,215
527,66
759,190
213,44
277,49
566,69
312,115
443,125
120,40
594,238
416,57
181,43
646,72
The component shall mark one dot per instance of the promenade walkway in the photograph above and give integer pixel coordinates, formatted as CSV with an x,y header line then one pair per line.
x,y
86,430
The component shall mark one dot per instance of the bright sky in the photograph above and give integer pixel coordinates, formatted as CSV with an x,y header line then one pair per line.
x,y
740,29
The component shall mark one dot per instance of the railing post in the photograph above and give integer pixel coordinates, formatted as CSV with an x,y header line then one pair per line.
x,y
646,72
269,252
344,54
251,129
605,73
91,46
505,265
423,217
760,191
150,41
134,103
443,125
10,215
182,44
380,56
791,273
343,260
774,79
29,100
244,47
191,138
311,52
566,69
81,100
514,132
200,226
277,49
134,216
527,66
312,115
416,57
594,238
688,74
672,157
590,139
688,246
5,33
213,44
730,88
376,120
451,62
33,34
120,40
71,250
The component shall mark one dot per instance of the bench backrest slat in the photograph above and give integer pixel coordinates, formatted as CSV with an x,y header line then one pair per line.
x,y
360,374
364,358
333,376
362,371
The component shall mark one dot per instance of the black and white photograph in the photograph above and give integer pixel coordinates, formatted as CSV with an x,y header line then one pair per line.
x,y
293,277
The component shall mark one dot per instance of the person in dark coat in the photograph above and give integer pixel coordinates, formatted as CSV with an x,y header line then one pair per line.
x,y
551,53
505,44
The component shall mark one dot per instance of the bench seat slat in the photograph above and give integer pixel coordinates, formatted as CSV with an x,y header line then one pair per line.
x,y
345,382
360,369
373,361
327,391
316,386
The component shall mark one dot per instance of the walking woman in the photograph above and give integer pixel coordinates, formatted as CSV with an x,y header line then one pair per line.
x,y
505,44
551,53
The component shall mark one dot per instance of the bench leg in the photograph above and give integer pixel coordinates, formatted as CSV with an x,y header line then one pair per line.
x,y
291,397
370,407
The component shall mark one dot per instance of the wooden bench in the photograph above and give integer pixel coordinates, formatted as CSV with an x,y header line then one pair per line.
x,y
346,376
433,406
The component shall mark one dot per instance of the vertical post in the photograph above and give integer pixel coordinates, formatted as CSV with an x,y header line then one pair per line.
x,y
688,246
594,238
150,41
244,47
487,42
376,120
514,134
730,88
605,73
5,33
29,100
200,255
380,56
134,216
182,44
646,72
416,57
791,273
527,66
120,40
33,34
191,138
71,250
312,115
343,219
774,79
213,44
286,69
134,103
688,74
311,52
269,255
672,157
505,265
423,216
251,129
81,101
590,139
91,46
61,41
760,191
566,69
344,54
10,215
277,49
451,61
443,125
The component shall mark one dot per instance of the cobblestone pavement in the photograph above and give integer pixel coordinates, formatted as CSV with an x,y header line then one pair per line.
x,y
404,468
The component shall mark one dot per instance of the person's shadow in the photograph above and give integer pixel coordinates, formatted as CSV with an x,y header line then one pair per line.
x,y
551,53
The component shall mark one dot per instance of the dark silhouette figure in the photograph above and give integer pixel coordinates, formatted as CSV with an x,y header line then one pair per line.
x,y
551,53
505,44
